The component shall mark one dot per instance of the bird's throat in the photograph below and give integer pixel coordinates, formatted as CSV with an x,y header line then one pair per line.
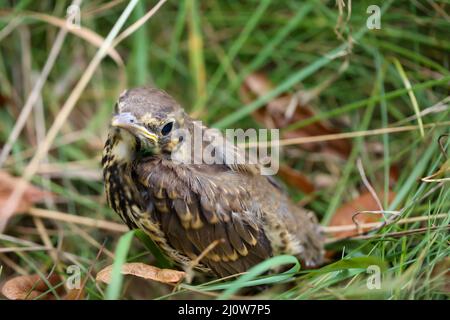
x,y
122,146
118,156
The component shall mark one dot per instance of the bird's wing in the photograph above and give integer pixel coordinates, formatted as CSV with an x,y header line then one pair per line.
x,y
199,210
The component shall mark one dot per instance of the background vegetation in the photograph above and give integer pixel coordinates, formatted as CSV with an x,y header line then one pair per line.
x,y
352,79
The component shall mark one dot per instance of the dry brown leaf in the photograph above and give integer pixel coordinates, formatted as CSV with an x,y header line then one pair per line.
x,y
295,179
5,100
442,269
31,196
74,294
143,271
344,215
30,287
394,174
274,115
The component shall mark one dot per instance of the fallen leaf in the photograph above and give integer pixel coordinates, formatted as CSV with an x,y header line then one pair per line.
x,y
30,287
143,271
4,100
394,174
286,110
31,195
344,215
295,179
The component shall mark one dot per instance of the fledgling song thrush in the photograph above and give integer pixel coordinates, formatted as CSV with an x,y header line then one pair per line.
x,y
186,207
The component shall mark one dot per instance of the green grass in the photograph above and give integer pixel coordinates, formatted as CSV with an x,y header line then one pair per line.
x,y
123,246
201,53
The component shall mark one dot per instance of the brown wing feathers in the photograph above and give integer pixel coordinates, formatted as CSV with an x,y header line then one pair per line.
x,y
203,217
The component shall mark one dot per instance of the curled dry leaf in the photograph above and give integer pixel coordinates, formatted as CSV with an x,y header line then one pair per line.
x,y
288,109
74,294
143,271
344,215
30,287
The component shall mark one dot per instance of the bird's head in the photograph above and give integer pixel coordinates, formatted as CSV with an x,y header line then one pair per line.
x,y
147,118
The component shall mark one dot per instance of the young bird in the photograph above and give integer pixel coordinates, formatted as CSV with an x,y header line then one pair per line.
x,y
229,213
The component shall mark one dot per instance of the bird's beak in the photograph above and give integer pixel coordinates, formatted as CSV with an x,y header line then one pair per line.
x,y
128,122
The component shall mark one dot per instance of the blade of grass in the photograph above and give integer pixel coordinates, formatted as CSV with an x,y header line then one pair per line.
x,y
412,97
66,109
196,56
361,103
384,119
237,45
248,279
417,171
350,164
268,49
114,288
35,92
295,78
174,45
162,261
140,52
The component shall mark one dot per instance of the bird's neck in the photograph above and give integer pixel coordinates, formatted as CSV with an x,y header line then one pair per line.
x,y
120,148
118,157
120,187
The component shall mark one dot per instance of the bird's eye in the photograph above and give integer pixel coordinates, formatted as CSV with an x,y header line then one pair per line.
x,y
167,128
